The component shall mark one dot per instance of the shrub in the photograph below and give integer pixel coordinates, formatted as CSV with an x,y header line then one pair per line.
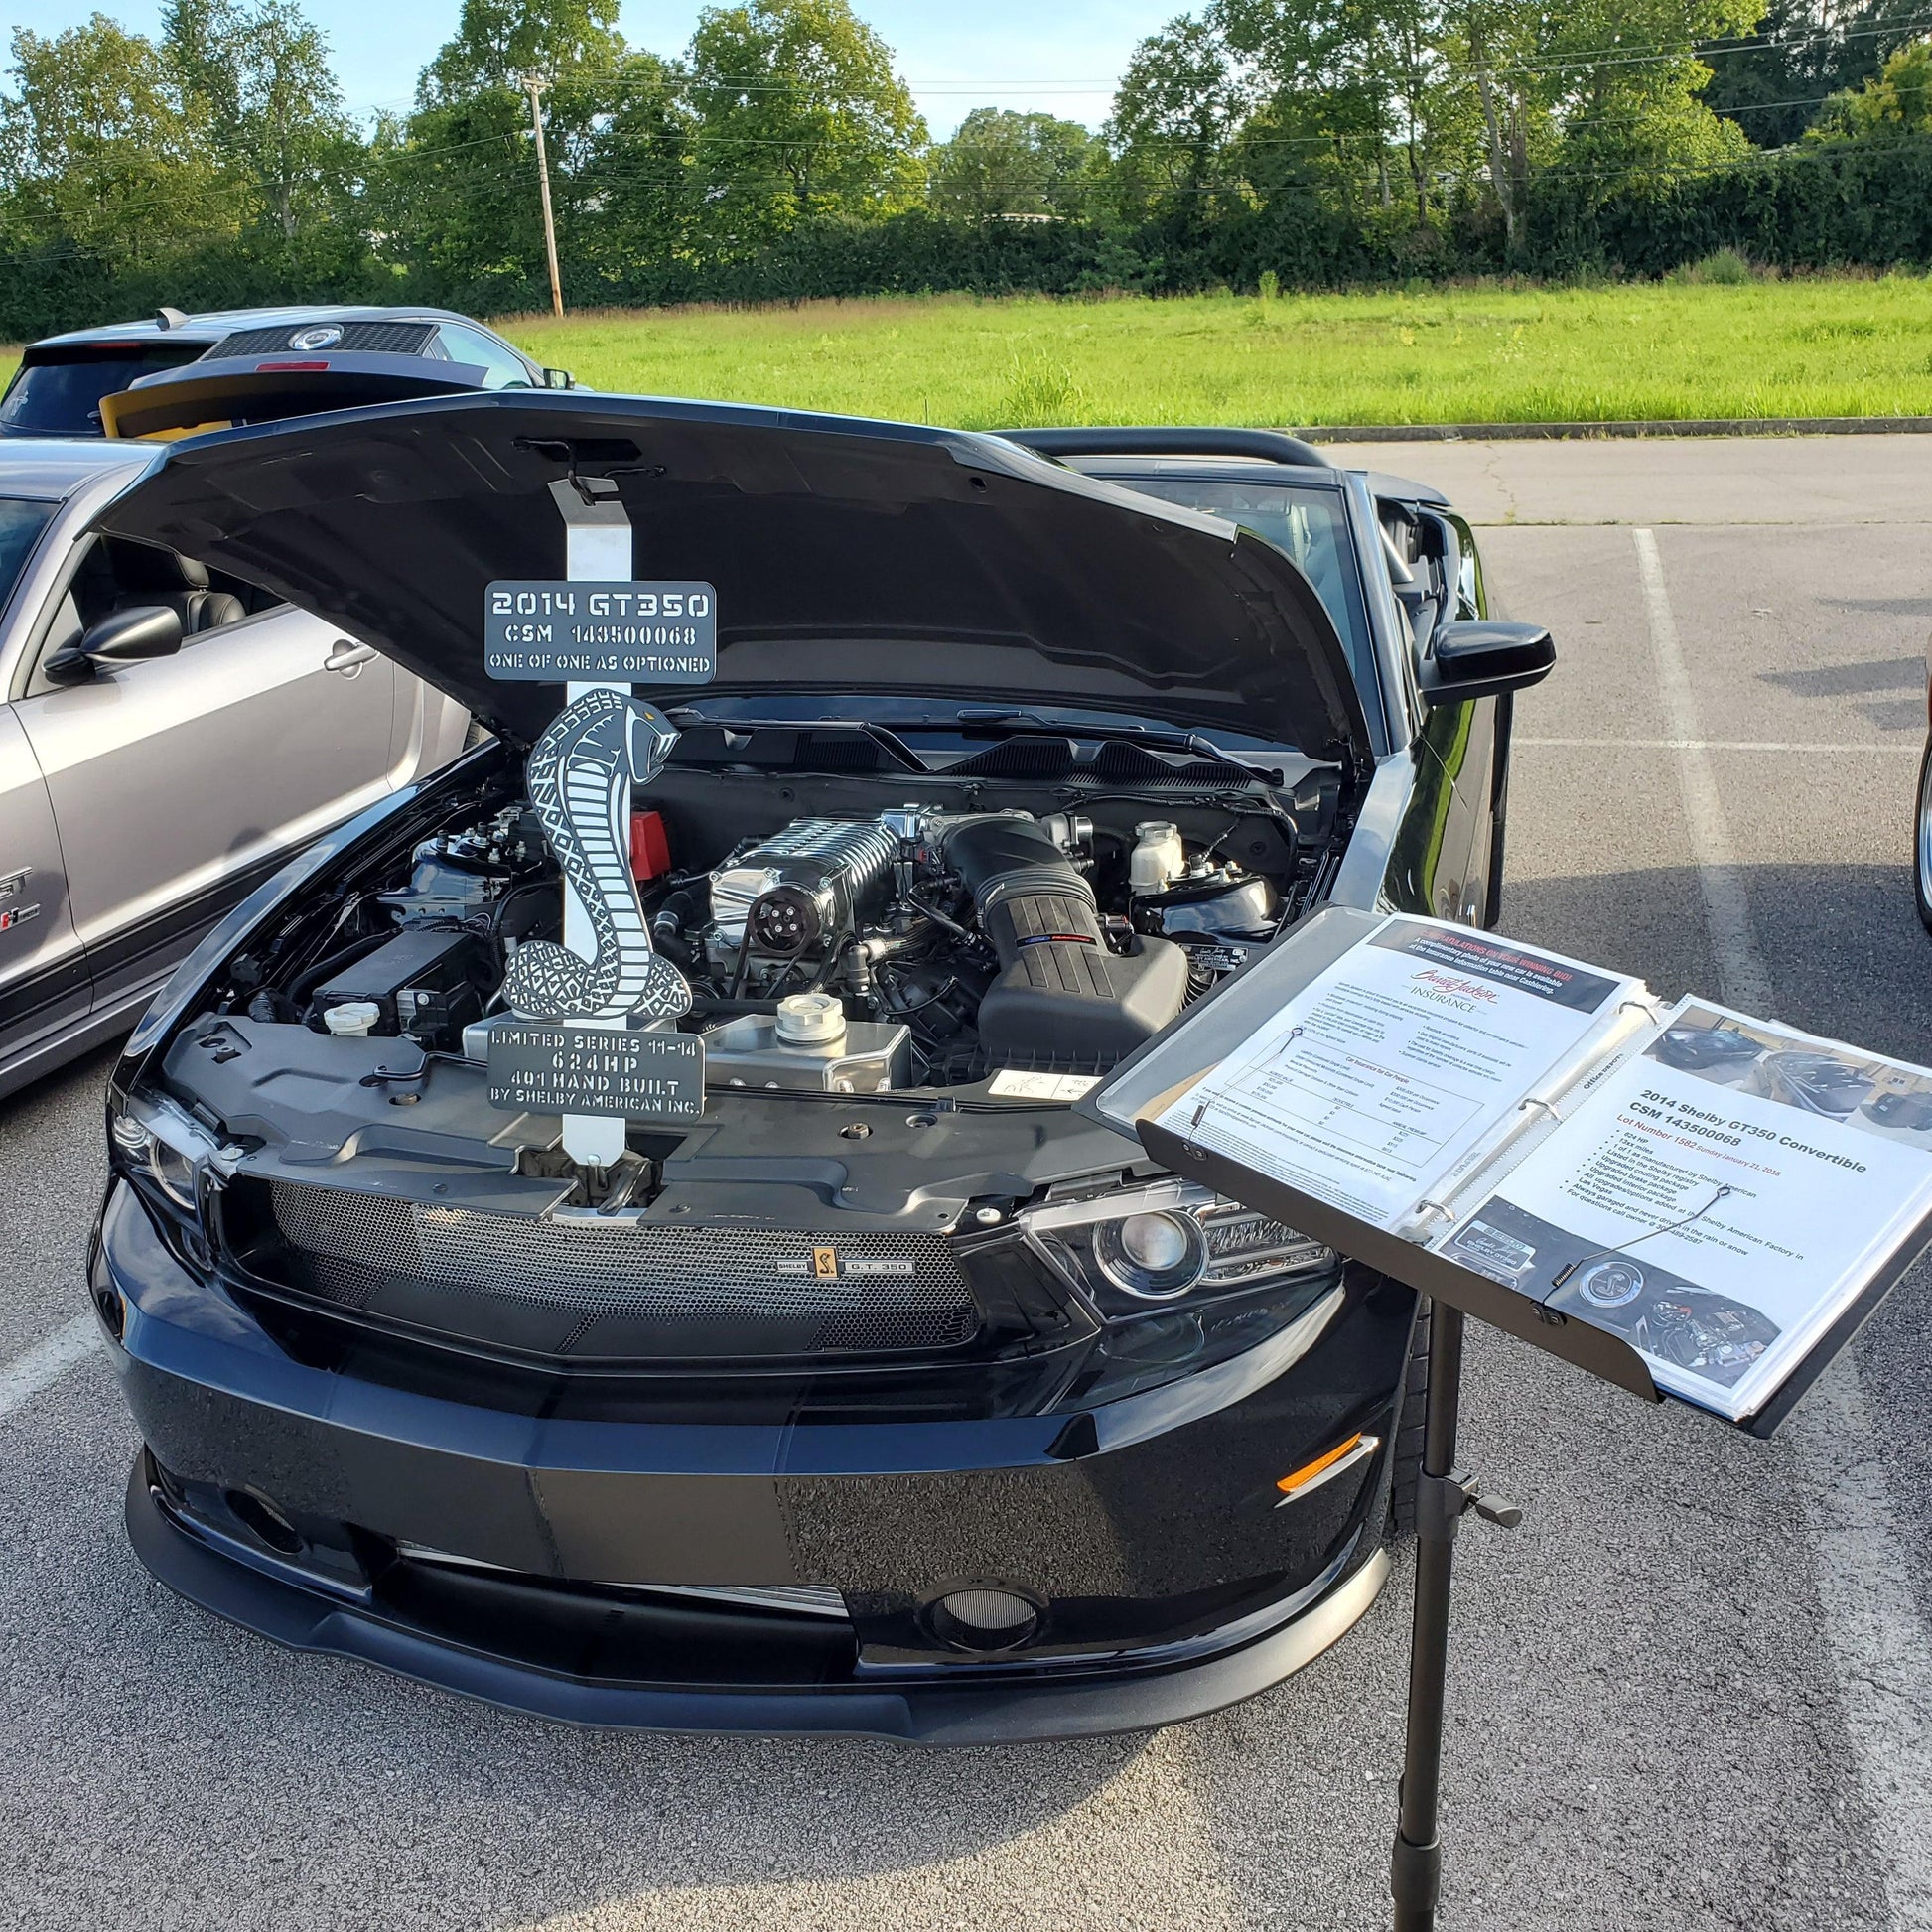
x,y
1722,268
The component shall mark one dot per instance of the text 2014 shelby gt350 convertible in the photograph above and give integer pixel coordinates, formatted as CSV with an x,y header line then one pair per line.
x,y
889,1393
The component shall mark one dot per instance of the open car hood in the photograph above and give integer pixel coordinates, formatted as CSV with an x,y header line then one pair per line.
x,y
848,556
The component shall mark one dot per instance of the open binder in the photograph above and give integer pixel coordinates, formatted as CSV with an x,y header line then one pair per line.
x,y
1287,1087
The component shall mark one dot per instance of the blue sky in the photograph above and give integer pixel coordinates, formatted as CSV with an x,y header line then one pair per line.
x,y
1059,55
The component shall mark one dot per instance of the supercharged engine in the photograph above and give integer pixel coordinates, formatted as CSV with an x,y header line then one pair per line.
x,y
978,938
913,947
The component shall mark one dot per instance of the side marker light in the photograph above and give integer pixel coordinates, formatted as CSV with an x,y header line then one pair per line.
x,y
1324,1468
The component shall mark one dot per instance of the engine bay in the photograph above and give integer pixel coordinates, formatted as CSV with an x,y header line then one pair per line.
x,y
838,935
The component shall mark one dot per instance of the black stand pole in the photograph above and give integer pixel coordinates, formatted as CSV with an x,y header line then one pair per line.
x,y
1442,1496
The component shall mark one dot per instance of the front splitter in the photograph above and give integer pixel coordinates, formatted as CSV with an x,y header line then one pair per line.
x,y
992,1709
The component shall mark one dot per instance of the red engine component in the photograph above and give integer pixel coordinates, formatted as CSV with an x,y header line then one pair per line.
x,y
650,848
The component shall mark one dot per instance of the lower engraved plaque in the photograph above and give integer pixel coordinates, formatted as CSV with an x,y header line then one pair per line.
x,y
551,1068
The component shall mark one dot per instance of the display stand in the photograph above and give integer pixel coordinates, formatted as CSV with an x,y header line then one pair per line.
x,y
597,548
1143,1091
1444,1494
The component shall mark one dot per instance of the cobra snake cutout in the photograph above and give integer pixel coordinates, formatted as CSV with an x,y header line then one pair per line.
x,y
577,771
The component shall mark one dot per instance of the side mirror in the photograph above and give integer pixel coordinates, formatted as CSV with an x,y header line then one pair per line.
x,y
1479,658
559,380
126,637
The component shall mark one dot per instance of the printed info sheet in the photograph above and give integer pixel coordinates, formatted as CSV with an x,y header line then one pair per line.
x,y
1718,1199
1383,1072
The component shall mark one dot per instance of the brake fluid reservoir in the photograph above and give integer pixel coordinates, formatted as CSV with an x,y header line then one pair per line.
x,y
1156,860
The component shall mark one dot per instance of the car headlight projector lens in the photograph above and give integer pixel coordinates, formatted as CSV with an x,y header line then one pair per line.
x,y
1155,1256
1164,1241
163,1147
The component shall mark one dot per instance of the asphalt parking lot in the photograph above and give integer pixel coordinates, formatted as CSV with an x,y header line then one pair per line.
x,y
1694,1690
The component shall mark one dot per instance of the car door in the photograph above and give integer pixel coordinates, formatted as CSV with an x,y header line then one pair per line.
x,y
44,983
178,783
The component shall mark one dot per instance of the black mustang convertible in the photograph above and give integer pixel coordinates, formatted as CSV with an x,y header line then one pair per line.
x,y
893,1394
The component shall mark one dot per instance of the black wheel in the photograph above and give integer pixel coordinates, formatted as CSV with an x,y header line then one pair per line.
x,y
1407,1456
1922,840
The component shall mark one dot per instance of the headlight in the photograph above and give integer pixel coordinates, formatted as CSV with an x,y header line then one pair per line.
x,y
163,1147
1168,1242
1157,1255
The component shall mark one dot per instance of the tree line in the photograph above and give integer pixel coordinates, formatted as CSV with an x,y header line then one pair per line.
x,y
1314,142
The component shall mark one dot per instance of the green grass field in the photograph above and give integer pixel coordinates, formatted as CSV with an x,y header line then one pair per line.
x,y
1853,346
1809,347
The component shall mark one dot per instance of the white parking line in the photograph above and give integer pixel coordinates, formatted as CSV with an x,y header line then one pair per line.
x,y
1716,744
45,1362
1871,1627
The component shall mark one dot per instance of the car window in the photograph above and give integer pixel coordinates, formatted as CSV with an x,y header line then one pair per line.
x,y
1309,524
503,367
22,519
113,574
60,395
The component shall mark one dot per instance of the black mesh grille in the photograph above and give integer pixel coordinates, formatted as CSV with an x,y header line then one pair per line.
x,y
1019,758
737,1290
364,338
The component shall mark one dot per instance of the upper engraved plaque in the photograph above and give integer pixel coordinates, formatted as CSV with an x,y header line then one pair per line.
x,y
557,631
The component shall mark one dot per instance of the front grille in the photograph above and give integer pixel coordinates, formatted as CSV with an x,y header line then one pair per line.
x,y
715,1290
361,338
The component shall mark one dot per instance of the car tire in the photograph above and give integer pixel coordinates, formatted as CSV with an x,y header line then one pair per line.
x,y
1406,1456
1922,840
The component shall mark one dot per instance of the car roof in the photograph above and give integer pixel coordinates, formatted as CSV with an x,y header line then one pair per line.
x,y
212,325
52,467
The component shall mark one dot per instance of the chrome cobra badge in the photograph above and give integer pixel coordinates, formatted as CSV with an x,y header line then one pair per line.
x,y
592,751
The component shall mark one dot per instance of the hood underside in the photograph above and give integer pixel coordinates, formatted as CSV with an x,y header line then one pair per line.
x,y
848,556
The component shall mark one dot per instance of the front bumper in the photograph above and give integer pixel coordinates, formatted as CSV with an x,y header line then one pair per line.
x,y
548,1565
992,1708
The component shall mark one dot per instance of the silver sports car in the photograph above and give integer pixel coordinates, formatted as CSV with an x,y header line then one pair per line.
x,y
168,736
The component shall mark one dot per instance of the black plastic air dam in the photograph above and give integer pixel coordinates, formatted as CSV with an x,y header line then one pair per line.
x,y
1061,998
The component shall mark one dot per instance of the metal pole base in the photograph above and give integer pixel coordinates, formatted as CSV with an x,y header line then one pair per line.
x,y
1415,1884
1444,1495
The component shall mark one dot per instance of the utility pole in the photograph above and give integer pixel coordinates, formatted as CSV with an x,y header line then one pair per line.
x,y
533,86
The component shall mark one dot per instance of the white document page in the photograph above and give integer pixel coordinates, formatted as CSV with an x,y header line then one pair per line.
x,y
1387,1069
1719,1199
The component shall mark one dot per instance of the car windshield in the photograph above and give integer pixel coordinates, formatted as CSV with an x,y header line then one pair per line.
x,y
1306,521
21,522
62,396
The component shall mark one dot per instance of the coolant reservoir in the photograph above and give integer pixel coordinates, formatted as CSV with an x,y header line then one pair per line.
x,y
1158,859
811,1019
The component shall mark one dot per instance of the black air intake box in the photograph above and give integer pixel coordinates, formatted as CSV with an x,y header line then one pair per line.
x,y
1061,998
